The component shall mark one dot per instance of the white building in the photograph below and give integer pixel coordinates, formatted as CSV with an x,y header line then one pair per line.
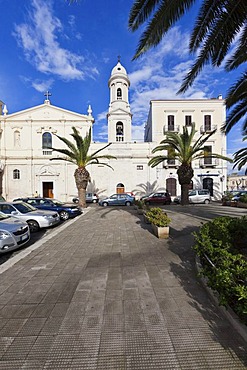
x,y
26,137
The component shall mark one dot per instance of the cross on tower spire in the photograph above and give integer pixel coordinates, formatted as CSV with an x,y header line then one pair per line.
x,y
47,94
118,58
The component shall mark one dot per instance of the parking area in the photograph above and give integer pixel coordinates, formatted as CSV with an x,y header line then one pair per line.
x,y
105,293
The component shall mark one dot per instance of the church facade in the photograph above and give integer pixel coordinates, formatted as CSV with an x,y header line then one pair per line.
x,y
27,136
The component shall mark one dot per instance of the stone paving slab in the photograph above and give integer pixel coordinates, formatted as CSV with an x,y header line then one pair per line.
x,y
105,293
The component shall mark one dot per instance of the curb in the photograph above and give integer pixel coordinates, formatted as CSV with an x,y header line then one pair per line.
x,y
226,311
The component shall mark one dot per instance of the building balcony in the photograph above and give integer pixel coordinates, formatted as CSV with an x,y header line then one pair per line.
x,y
209,162
207,129
172,128
171,163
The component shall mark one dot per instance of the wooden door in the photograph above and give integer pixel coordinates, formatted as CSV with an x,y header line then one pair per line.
x,y
48,190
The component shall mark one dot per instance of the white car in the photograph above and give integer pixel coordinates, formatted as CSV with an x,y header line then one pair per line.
x,y
35,218
196,196
13,233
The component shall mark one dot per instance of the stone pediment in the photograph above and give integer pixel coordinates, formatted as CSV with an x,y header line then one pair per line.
x,y
46,112
47,171
119,111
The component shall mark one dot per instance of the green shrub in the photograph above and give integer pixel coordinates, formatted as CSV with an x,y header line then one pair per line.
x,y
243,198
158,217
217,244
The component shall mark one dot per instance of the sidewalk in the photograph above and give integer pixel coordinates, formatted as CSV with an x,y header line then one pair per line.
x,y
106,294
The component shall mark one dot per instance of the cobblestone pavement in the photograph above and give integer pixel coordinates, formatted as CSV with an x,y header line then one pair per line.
x,y
105,294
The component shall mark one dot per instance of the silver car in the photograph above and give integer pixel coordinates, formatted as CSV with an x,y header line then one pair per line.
x,y
13,233
196,196
35,218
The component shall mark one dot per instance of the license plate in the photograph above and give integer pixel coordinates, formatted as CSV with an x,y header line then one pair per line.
x,y
24,237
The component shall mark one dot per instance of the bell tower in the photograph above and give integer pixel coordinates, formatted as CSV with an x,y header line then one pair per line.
x,y
119,116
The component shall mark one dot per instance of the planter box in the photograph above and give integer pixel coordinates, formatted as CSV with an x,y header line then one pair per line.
x,y
146,219
241,205
161,232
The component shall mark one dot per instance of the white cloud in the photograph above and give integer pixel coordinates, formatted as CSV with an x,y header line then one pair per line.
x,y
39,41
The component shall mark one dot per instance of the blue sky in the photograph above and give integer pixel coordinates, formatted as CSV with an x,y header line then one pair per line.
x,y
70,50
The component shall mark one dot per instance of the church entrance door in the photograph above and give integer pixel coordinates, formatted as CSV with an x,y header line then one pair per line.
x,y
48,189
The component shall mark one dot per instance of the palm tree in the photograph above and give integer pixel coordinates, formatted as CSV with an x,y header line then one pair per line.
x,y
78,154
216,30
240,158
184,148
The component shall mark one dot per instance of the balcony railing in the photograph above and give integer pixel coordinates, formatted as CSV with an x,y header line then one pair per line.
x,y
207,128
209,162
173,128
47,152
171,163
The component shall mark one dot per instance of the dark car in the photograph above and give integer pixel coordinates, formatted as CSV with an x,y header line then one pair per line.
x,y
64,210
157,198
122,199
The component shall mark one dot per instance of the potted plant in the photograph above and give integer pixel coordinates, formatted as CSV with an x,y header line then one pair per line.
x,y
159,221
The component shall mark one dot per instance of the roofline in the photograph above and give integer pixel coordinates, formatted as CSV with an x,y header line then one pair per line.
x,y
40,106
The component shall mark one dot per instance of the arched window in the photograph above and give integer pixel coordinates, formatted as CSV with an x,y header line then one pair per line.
x,y
46,140
16,174
119,131
119,93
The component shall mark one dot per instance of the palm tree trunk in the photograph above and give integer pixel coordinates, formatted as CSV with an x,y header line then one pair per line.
x,y
185,175
82,177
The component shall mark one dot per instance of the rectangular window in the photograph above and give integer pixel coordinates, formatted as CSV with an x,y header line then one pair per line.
x,y
188,120
207,158
170,121
139,167
207,122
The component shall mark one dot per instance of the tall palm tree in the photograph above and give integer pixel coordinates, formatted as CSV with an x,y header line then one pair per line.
x,y
240,158
219,25
78,154
184,148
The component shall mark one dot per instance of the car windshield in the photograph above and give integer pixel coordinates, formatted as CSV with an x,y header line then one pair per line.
x,y
24,207
3,216
56,202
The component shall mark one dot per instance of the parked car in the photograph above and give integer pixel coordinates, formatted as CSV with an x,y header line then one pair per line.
x,y
13,233
65,210
196,196
239,194
90,198
122,199
157,198
35,218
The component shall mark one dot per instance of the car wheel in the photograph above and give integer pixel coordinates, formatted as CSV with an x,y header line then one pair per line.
x,y
147,203
33,226
127,204
75,200
104,204
94,201
64,215
206,201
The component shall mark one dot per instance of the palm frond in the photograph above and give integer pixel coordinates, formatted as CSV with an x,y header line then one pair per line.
x,y
239,56
167,13
237,92
210,9
235,115
140,11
